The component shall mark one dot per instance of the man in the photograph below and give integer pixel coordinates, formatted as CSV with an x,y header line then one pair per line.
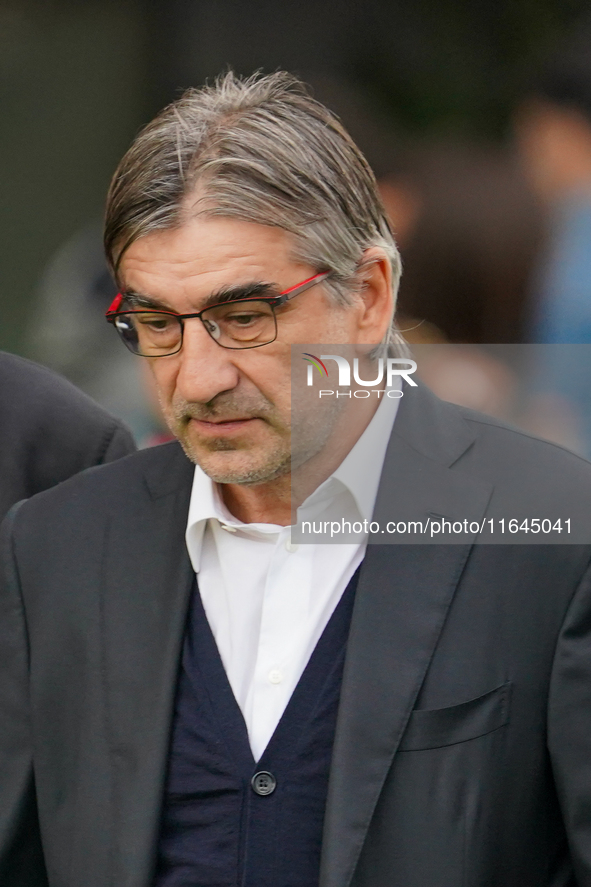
x,y
49,431
188,696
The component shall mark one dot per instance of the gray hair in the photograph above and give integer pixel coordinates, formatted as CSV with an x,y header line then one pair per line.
x,y
259,149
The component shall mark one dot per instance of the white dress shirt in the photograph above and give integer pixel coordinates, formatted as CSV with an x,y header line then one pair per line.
x,y
268,600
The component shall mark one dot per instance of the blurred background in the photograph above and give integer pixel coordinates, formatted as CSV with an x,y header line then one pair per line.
x,y
476,118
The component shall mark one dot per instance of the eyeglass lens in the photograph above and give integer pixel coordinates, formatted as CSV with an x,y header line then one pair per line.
x,y
233,325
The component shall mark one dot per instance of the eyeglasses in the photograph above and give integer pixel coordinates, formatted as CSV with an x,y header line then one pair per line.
x,y
236,324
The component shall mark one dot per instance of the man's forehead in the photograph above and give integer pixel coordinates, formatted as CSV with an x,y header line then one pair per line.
x,y
204,253
214,239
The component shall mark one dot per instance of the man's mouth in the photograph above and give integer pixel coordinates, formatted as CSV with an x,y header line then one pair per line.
x,y
215,427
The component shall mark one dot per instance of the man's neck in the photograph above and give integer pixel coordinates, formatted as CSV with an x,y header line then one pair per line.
x,y
268,503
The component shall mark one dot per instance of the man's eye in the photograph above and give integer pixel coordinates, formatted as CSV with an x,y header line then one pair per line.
x,y
157,322
243,319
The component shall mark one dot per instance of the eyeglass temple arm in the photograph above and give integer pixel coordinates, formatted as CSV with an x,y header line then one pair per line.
x,y
303,286
115,305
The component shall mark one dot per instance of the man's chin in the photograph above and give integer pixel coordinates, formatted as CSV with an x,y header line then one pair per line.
x,y
233,466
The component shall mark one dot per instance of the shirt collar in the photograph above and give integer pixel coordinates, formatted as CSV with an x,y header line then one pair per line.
x,y
361,469
359,474
207,504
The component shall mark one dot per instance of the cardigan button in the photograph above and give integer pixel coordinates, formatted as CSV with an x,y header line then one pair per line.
x,y
263,783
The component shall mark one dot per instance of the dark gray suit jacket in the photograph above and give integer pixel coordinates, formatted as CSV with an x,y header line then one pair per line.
x,y
49,430
463,749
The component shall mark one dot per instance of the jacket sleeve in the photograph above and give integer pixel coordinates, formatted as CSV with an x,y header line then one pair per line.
x,y
21,854
569,727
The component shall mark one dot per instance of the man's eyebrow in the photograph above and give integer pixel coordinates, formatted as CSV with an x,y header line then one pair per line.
x,y
255,290
139,300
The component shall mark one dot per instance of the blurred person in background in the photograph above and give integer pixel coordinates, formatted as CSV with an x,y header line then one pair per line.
x,y
553,129
468,257
473,234
467,263
49,431
389,151
553,133
468,230
67,333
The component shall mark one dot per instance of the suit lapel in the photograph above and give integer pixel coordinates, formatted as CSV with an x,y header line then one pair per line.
x,y
147,585
403,596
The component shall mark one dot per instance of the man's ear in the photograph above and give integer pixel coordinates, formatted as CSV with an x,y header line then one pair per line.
x,y
377,310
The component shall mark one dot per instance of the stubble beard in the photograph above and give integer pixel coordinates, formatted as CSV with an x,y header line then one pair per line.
x,y
267,465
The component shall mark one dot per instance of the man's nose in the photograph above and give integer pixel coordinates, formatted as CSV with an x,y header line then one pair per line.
x,y
206,369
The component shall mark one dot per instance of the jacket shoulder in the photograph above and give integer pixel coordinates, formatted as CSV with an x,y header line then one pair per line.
x,y
513,440
50,430
27,385
97,492
531,477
